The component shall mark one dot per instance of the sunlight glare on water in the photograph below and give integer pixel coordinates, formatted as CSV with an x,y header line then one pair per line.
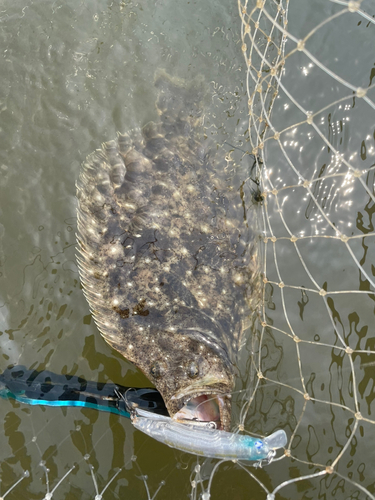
x,y
291,83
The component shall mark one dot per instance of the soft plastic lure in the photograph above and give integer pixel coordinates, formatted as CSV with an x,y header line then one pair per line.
x,y
48,388
202,439
144,406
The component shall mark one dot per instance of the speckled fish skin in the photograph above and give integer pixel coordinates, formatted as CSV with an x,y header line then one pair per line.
x,y
168,249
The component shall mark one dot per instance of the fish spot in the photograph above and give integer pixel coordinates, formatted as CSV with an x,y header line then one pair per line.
x,y
140,310
123,313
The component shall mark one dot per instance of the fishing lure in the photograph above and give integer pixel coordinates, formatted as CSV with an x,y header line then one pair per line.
x,y
49,389
146,409
205,440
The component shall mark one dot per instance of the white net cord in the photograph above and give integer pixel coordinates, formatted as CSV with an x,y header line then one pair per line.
x,y
311,122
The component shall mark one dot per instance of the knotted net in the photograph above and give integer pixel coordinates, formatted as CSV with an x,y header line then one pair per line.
x,y
311,116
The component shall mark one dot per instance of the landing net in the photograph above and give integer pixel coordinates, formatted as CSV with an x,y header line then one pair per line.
x,y
311,123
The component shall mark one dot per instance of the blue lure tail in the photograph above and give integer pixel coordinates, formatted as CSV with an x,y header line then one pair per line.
x,y
47,388
146,409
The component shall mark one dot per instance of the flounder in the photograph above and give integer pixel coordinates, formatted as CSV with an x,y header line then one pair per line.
x,y
168,253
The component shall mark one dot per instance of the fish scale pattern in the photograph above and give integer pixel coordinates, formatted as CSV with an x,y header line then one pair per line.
x,y
168,249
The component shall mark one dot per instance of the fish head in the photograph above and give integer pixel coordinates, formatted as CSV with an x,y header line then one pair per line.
x,y
194,377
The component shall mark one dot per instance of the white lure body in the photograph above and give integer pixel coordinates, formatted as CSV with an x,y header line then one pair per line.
x,y
203,440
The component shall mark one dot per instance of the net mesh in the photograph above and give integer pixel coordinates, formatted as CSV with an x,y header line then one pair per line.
x,y
314,361
309,366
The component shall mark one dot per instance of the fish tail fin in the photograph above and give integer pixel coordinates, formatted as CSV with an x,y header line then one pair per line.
x,y
179,100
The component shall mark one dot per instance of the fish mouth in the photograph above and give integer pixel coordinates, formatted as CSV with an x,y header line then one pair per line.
x,y
206,408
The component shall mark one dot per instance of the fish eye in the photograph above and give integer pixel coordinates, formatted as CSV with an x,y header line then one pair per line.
x,y
193,370
157,369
